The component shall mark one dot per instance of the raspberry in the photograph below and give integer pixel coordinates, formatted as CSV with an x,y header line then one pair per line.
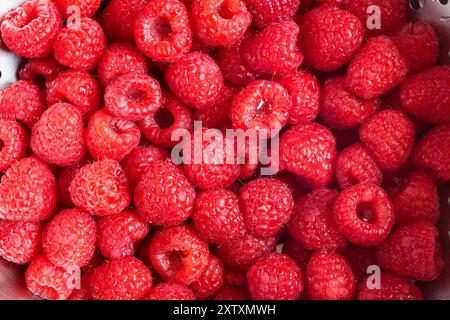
x,y
119,59
217,216
329,277
22,190
262,105
392,288
340,109
265,12
119,235
355,165
30,30
364,214
241,254
426,95
57,137
389,137
196,79
163,195
101,188
312,224
80,44
22,101
64,180
431,153
309,151
170,291
273,50
20,242
412,251
13,141
377,68
41,71
296,251
267,204
360,259
211,280
234,278
108,137
137,161
330,37
87,7
229,293
178,254
69,238
217,114
162,30
220,22
77,87
275,277
123,279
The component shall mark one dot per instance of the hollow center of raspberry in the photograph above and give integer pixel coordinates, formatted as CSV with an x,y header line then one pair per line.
x,y
175,259
365,212
163,29
135,95
225,10
263,109
164,118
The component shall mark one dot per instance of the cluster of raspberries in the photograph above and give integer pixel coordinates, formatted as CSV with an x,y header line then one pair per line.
x,y
93,205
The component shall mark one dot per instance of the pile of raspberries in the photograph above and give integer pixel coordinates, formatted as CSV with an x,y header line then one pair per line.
x,y
93,207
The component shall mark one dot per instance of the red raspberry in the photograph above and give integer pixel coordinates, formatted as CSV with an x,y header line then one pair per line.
x,y
22,101
392,288
41,71
340,109
389,137
309,151
241,254
196,79
262,105
20,242
119,59
412,251
138,160
87,7
364,214
211,280
273,50
217,216
216,115
329,277
178,254
30,30
377,68
69,238
235,278
162,30
267,204
229,293
265,12
313,225
163,195
123,279
170,291
355,165
57,137
275,277
108,137
77,87
80,44
101,188
64,180
22,190
296,251
426,95
330,37
360,259
119,235
13,141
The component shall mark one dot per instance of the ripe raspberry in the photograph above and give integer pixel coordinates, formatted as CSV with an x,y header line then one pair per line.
x,y
57,138
309,151
101,188
119,59
69,238
364,214
412,251
377,68
108,137
41,71
163,195
138,160
13,141
273,50
340,109
20,242
389,137
31,29
80,44
178,254
217,216
265,12
196,79
329,277
216,115
229,293
123,279
170,291
22,190
119,235
211,280
296,251
65,177
86,8
426,95
392,288
355,165
360,259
